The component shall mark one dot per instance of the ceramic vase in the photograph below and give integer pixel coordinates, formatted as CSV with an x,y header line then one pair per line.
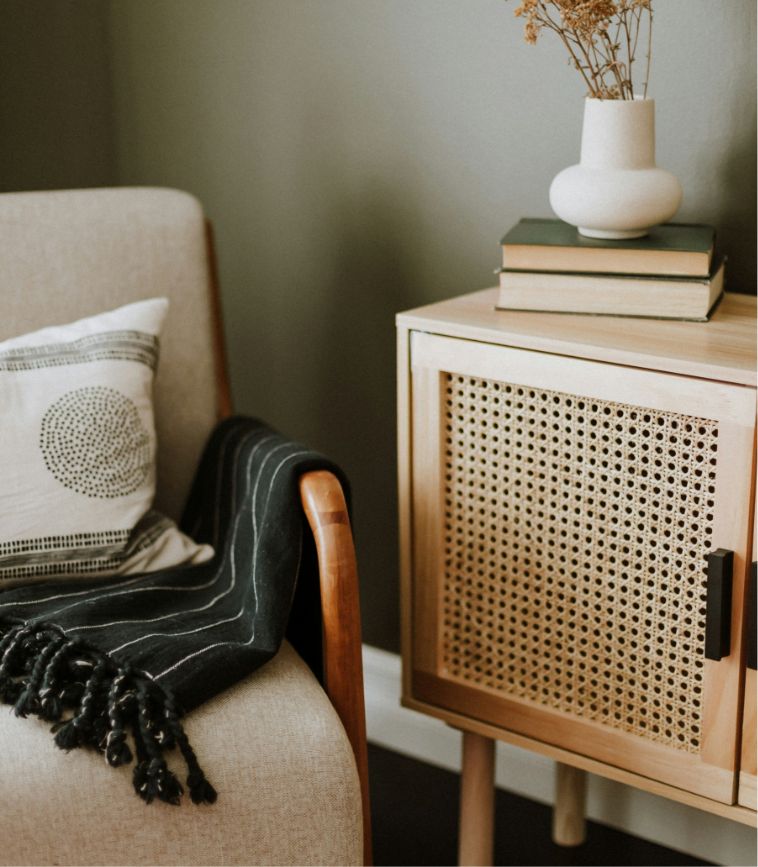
x,y
616,191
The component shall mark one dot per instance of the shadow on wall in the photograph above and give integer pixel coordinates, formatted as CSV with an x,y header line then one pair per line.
x,y
736,216
373,278
363,261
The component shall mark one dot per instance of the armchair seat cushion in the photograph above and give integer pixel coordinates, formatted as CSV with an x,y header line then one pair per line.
x,y
277,754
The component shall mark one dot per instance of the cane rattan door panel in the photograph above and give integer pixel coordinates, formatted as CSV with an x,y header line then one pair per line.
x,y
562,512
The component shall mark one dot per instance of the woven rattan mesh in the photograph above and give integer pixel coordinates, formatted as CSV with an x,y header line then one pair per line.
x,y
575,536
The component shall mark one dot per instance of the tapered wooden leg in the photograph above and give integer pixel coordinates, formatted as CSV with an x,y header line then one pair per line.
x,y
569,828
477,817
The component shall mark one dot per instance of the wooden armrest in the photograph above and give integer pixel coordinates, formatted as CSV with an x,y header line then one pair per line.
x,y
326,510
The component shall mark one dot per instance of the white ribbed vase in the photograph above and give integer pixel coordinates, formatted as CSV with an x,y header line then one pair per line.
x,y
616,191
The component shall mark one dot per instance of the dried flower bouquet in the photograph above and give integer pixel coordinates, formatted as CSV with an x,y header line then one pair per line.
x,y
601,37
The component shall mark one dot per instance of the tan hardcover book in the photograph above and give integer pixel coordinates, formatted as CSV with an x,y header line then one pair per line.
x,y
611,294
673,249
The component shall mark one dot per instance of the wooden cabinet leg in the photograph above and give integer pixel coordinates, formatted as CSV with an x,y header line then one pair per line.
x,y
569,828
477,816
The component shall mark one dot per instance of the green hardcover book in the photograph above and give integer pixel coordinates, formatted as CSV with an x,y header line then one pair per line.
x,y
671,250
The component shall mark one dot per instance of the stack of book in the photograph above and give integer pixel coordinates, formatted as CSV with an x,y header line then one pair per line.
x,y
671,273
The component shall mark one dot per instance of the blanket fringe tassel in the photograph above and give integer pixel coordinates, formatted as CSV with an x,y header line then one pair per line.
x,y
94,703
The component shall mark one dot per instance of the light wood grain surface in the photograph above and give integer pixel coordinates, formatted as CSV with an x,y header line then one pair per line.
x,y
465,722
722,349
477,812
569,826
594,739
404,493
428,545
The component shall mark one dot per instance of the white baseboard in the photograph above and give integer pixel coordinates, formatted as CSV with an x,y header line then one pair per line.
x,y
638,813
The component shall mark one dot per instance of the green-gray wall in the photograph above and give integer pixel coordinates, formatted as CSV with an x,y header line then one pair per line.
x,y
55,95
357,157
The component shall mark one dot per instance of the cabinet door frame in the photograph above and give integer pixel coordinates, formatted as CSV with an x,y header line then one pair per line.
x,y
712,772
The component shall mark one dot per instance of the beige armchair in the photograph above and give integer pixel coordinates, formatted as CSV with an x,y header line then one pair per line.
x,y
293,789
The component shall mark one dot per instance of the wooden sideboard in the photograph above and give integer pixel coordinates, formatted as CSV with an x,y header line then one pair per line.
x,y
577,501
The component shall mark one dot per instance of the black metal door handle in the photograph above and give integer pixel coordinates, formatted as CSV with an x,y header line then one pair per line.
x,y
718,604
752,604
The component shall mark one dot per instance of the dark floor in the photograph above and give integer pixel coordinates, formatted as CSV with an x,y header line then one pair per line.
x,y
415,816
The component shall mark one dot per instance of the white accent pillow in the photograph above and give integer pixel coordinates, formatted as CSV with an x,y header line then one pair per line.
x,y
77,462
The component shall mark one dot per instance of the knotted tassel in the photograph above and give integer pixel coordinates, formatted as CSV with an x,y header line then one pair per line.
x,y
71,694
139,774
152,777
29,699
162,783
66,736
13,644
78,731
43,672
201,791
51,706
117,751
8,637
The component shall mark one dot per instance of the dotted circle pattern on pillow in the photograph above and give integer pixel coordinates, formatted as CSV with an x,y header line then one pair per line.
x,y
94,442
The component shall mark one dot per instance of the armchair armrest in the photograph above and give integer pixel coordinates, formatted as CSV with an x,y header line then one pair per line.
x,y
325,508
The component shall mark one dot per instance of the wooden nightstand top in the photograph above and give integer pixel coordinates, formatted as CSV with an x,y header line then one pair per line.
x,y
723,349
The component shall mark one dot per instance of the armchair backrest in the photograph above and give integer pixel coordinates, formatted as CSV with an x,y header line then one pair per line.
x,y
69,254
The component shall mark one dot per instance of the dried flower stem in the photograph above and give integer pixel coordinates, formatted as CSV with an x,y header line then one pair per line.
x,y
649,49
563,34
604,62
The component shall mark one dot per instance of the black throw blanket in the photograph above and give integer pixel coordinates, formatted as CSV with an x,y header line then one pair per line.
x,y
114,664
